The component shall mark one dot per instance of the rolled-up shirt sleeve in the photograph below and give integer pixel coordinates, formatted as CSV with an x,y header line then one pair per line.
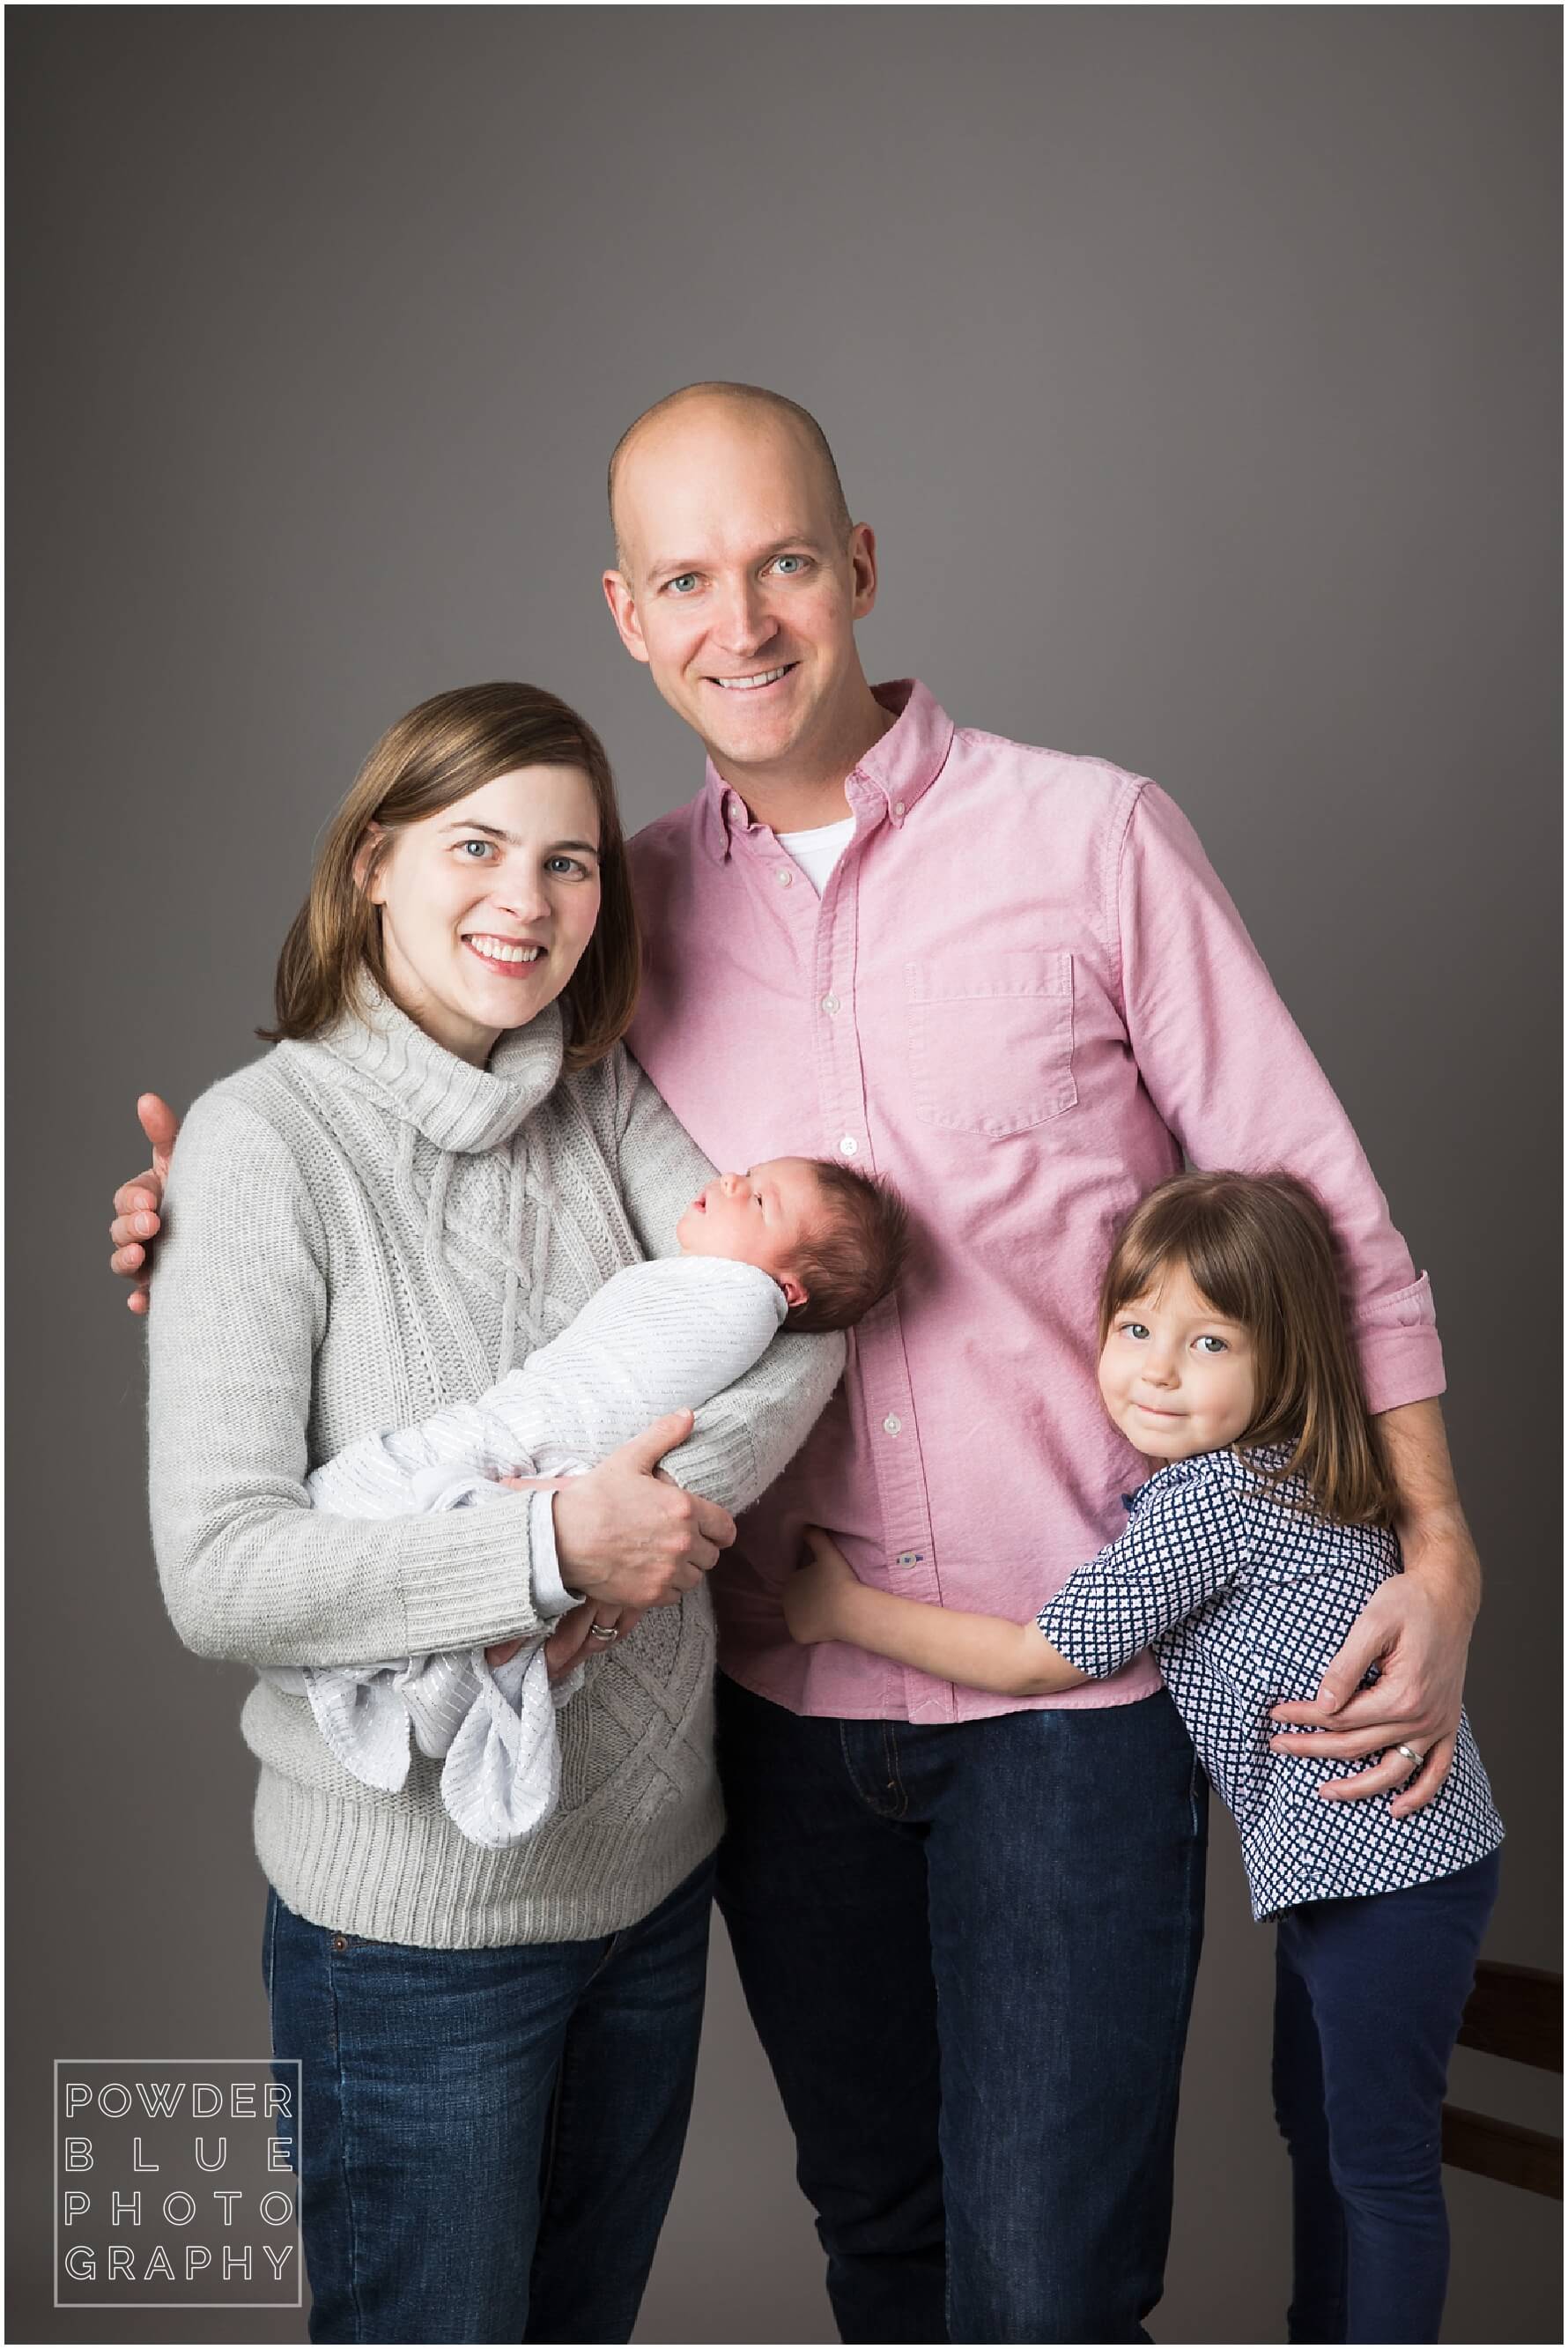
x,y
1181,1548
1237,1083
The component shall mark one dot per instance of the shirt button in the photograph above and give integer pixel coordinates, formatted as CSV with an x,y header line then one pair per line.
x,y
830,1003
898,807
893,1424
785,876
848,1147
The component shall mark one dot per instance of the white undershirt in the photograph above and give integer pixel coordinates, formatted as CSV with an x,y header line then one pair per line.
x,y
817,850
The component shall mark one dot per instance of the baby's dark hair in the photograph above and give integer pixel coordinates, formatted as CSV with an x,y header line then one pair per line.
x,y
853,1262
1263,1252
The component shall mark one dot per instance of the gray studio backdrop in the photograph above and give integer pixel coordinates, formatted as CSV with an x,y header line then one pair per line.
x,y
1198,370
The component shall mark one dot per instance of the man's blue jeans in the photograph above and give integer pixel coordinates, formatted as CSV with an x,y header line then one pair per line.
x,y
489,2137
969,1952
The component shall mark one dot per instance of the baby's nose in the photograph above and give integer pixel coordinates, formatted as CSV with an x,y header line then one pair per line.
x,y
730,1183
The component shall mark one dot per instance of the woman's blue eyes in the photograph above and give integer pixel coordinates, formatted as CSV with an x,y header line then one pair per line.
x,y
563,865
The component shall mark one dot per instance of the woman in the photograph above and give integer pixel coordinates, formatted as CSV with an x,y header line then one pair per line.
x,y
446,1152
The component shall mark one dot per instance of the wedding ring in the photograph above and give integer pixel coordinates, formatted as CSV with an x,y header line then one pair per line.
x,y
605,1631
1411,1756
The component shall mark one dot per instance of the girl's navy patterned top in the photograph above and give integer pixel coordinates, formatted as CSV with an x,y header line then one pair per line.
x,y
1244,1592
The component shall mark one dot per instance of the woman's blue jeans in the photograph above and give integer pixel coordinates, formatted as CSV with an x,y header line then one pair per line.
x,y
488,2138
1368,1998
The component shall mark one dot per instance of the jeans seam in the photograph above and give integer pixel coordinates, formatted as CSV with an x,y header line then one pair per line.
x,y
895,1783
343,2151
891,1782
551,2140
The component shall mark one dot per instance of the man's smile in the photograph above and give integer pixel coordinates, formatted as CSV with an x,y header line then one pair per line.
x,y
763,678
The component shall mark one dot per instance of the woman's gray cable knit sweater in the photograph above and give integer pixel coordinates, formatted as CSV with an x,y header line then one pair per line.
x,y
361,1230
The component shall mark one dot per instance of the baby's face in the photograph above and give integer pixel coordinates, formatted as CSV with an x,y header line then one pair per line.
x,y
761,1217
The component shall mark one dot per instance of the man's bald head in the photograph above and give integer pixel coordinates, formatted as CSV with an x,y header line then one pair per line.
x,y
739,399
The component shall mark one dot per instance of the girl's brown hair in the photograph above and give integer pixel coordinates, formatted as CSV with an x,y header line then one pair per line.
x,y
1261,1250
437,755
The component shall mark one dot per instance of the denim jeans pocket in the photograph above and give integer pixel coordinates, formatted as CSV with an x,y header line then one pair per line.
x,y
991,1041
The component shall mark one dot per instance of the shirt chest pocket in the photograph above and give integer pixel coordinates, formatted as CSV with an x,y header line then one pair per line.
x,y
991,1041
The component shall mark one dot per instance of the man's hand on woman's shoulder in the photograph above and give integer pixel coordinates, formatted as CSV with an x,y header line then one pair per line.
x,y
137,1221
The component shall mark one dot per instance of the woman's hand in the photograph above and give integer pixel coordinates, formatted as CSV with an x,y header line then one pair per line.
x,y
575,1632
814,1596
136,1204
573,1636
630,1538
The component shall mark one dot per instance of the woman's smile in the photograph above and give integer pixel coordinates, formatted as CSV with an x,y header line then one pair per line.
x,y
454,889
504,955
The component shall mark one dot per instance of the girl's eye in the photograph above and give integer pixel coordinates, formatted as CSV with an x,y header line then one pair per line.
x,y
1133,1329
1214,1346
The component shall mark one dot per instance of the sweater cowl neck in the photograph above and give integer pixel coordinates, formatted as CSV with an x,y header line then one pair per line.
x,y
453,1105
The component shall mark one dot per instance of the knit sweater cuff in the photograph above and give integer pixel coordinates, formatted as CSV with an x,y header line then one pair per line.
x,y
551,1595
479,1593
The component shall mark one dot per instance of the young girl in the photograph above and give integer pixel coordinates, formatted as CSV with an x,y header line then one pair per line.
x,y
1225,1358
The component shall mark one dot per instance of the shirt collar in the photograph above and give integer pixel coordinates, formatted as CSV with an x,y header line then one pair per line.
x,y
1230,1465
893,775
455,1105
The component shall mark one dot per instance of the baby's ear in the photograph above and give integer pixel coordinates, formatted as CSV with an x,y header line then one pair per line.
x,y
794,1291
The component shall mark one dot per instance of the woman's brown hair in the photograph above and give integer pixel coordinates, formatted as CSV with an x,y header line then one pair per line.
x,y
1261,1250
437,755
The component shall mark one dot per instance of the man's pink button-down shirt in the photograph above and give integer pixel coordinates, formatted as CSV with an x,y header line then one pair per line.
x,y
1022,995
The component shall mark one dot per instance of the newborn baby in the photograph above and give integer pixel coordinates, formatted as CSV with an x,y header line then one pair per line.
x,y
804,1243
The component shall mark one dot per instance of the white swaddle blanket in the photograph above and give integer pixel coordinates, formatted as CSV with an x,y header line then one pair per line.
x,y
658,1337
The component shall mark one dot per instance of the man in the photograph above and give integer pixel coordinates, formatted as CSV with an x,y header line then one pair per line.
x,y
967,1929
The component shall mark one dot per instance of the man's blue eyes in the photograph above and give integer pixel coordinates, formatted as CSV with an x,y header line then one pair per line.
x,y
684,581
